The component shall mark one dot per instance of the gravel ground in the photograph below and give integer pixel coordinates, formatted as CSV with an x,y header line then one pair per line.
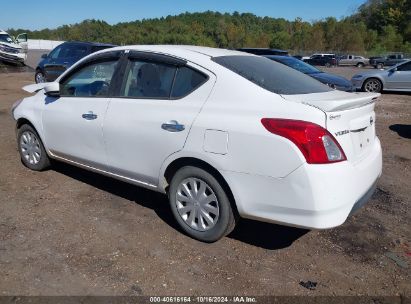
x,y
67,231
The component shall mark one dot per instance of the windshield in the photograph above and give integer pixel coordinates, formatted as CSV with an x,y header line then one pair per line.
x,y
5,38
272,76
296,64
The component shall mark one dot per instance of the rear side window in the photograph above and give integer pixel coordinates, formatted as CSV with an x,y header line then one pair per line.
x,y
74,51
186,81
99,48
158,80
148,80
272,76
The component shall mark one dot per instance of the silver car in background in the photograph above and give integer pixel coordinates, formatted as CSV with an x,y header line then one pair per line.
x,y
397,78
353,60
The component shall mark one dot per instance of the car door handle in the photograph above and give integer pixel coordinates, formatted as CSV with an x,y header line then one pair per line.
x,y
89,116
173,126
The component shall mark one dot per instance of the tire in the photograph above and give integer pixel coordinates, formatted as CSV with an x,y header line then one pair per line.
x,y
327,65
215,204
31,149
39,77
372,85
360,65
379,66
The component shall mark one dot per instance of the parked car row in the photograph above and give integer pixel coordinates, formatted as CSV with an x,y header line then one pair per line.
x,y
65,55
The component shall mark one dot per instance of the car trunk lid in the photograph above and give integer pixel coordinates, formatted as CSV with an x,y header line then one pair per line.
x,y
350,118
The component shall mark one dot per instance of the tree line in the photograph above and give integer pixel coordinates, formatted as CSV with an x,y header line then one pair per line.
x,y
377,27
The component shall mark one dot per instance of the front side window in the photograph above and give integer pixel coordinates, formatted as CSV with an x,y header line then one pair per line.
x,y
55,53
404,67
92,80
272,76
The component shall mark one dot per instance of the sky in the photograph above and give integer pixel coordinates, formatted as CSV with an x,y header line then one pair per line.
x,y
39,14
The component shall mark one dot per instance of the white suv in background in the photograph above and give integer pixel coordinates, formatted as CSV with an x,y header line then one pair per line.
x,y
10,48
224,134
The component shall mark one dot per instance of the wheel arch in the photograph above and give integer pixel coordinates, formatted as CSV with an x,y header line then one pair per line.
x,y
23,121
180,162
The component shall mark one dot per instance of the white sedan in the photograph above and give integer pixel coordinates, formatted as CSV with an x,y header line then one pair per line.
x,y
223,133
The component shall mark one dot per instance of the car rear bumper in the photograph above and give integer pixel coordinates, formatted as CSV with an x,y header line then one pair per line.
x,y
312,196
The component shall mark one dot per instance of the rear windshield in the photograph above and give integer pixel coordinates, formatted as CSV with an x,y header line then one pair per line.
x,y
272,76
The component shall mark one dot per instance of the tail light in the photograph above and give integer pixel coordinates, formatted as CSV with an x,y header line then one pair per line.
x,y
316,144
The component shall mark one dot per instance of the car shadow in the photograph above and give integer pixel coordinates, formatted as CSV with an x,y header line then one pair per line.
x,y
402,130
396,92
264,235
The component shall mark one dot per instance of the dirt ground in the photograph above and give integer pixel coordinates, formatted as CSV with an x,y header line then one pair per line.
x,y
70,232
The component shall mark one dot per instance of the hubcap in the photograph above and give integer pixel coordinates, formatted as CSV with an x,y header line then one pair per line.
x,y
373,86
30,147
40,78
197,204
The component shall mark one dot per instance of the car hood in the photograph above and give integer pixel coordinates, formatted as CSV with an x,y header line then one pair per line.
x,y
331,79
12,45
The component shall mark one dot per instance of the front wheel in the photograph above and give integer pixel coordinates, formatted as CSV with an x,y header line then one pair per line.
x,y
31,149
39,77
200,205
360,65
372,85
380,66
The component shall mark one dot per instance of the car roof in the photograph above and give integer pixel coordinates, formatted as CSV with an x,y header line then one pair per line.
x,y
199,55
183,51
3,32
89,43
280,57
264,49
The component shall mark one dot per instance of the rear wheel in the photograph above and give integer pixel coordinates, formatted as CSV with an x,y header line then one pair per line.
x,y
380,66
328,65
200,205
372,85
31,149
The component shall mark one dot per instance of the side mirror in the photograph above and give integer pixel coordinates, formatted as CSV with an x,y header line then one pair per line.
x,y
52,89
44,56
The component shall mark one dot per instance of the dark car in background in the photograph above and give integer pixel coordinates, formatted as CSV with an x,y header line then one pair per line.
x,y
390,60
263,51
64,56
327,60
333,81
